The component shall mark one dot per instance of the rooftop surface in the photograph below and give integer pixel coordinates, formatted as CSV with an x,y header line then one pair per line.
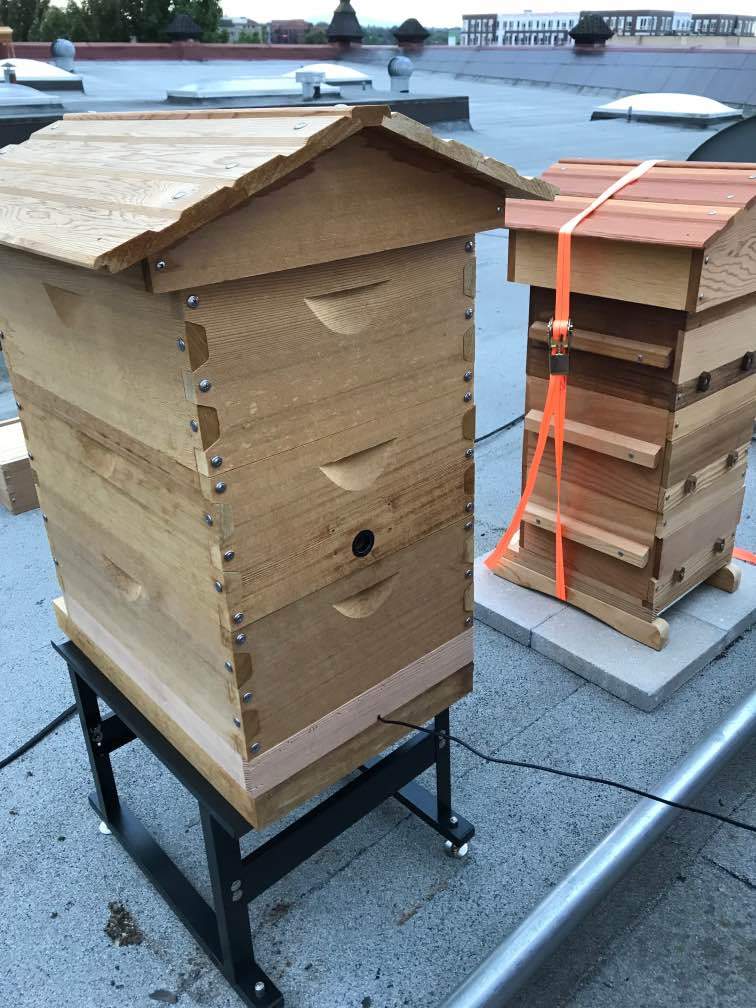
x,y
381,918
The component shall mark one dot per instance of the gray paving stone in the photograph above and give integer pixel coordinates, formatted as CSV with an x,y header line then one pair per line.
x,y
629,670
734,613
506,607
701,626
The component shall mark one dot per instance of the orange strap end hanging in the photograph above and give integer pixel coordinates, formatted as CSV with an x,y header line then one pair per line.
x,y
740,554
555,407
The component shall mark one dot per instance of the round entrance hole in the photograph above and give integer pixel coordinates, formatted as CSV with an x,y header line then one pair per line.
x,y
363,542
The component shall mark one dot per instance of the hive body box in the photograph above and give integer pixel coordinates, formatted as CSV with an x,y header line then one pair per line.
x,y
17,490
662,385
248,397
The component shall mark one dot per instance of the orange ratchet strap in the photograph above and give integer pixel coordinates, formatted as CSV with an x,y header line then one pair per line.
x,y
554,408
744,555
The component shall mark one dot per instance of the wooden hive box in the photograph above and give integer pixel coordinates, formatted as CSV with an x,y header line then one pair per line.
x,y
242,343
17,490
662,385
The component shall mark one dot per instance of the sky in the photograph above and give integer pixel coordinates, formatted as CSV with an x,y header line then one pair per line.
x,y
448,13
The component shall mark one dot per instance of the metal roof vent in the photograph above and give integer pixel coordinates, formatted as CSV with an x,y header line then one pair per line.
x,y
63,52
400,69
311,81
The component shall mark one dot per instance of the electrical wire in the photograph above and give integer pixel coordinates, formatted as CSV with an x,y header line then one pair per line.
x,y
497,430
42,733
572,774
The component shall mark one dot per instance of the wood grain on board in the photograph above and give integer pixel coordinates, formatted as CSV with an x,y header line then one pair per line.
x,y
119,187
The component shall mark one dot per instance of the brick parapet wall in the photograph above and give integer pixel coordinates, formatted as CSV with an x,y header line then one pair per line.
x,y
180,51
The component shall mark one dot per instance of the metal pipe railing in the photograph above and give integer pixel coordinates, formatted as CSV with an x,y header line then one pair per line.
x,y
510,965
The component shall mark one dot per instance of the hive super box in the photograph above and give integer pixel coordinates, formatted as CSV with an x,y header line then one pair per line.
x,y
17,490
242,344
662,385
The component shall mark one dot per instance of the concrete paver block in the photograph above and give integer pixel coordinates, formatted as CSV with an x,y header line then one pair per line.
x,y
734,613
629,670
701,626
506,607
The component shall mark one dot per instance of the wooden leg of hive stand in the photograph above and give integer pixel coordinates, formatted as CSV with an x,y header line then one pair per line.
x,y
653,633
727,578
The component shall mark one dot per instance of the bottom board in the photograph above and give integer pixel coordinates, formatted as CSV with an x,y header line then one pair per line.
x,y
654,633
309,781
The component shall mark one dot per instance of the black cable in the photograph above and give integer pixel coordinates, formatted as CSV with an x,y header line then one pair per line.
x,y
497,430
30,743
572,774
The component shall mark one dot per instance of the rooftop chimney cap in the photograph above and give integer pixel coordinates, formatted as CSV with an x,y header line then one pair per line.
x,y
183,27
344,26
591,30
410,31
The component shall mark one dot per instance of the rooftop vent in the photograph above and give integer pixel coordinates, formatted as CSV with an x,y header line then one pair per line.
x,y
344,26
182,28
410,32
591,31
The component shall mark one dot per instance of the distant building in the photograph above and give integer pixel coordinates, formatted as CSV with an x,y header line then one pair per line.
x,y
723,24
524,29
479,29
531,28
236,25
643,22
292,32
669,22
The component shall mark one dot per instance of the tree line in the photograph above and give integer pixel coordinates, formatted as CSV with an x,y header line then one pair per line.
x,y
106,20
145,21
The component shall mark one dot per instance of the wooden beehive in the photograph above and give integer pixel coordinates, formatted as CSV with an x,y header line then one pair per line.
x,y
243,352
17,490
662,385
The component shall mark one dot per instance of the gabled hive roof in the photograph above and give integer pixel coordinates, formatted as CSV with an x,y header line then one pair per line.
x,y
104,190
679,203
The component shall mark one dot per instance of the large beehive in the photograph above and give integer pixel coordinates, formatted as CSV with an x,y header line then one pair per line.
x,y
662,384
243,356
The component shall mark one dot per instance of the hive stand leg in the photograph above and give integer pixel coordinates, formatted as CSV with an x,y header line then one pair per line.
x,y
224,935
224,932
726,578
237,958
443,766
436,809
106,792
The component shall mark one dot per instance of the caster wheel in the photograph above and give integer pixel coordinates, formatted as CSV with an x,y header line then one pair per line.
x,y
104,829
457,852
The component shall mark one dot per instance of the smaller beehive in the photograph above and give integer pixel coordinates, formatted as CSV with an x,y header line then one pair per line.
x,y
17,490
662,385
242,343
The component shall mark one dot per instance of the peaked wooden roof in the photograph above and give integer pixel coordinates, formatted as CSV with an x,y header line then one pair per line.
x,y
683,203
103,190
